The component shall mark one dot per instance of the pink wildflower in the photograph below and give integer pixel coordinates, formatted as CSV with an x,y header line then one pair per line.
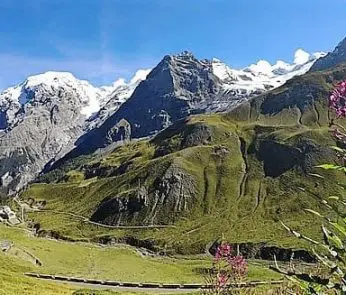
x,y
239,266
339,135
222,279
223,251
337,99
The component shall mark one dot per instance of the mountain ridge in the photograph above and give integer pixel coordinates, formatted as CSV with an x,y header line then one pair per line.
x,y
48,115
42,117
181,85
101,94
245,170
332,59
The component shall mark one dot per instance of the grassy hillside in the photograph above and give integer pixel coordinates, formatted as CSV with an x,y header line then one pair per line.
x,y
95,262
12,280
234,175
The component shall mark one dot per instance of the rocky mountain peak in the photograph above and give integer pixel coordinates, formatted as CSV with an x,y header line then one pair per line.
x,y
42,117
341,48
185,54
60,111
46,90
181,85
182,76
332,59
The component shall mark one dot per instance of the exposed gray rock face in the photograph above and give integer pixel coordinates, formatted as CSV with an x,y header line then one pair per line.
x,y
181,85
6,214
41,119
170,196
278,158
120,132
119,92
199,135
111,106
45,129
114,211
177,87
332,59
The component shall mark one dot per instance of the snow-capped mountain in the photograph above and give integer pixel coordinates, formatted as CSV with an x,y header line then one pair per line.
x,y
89,99
118,93
98,103
42,117
181,85
15,101
262,76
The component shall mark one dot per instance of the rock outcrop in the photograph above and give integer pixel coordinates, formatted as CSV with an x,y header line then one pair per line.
x,y
44,129
170,196
7,215
332,59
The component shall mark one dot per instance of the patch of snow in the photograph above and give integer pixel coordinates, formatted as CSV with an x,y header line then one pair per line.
x,y
317,55
139,76
222,71
49,78
261,67
117,94
262,76
301,57
104,101
92,98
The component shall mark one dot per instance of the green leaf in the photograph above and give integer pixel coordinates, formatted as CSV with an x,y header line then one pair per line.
x,y
329,167
339,228
302,284
338,149
333,239
316,175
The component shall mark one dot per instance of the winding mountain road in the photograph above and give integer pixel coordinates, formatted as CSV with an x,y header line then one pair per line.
x,y
127,289
139,287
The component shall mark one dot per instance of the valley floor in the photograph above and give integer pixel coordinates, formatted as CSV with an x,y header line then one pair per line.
x,y
122,263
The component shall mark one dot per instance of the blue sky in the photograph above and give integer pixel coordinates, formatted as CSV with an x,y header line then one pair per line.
x,y
101,40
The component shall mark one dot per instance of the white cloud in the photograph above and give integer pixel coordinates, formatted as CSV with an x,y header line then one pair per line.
x,y
261,66
139,76
301,57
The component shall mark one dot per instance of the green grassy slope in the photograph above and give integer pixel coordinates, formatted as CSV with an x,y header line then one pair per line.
x,y
235,174
95,262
